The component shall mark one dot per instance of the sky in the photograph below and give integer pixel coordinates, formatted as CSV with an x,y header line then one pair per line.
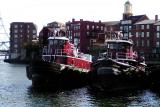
x,y
41,12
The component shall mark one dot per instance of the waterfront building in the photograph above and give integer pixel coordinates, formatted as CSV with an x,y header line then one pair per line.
x,y
144,32
21,34
83,34
147,40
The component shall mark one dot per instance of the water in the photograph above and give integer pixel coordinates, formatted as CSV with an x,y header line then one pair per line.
x,y
16,91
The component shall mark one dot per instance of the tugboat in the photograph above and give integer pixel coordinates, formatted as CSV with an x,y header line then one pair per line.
x,y
61,66
119,66
119,57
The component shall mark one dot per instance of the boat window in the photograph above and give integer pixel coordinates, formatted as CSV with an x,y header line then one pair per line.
x,y
55,42
51,42
112,45
123,46
61,42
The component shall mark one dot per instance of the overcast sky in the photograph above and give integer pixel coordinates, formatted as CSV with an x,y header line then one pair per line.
x,y
42,12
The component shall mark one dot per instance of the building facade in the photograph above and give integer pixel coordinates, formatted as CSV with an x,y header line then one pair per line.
x,y
21,34
144,32
84,33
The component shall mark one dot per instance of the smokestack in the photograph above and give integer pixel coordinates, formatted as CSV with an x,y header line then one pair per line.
x,y
81,20
73,20
156,17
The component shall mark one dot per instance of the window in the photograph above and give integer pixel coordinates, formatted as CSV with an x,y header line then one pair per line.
x,y
87,33
147,34
130,27
78,27
148,26
101,27
15,26
34,31
87,27
142,42
142,26
137,34
76,41
157,44
121,28
148,43
93,27
137,26
157,34
126,28
15,50
51,42
15,31
15,45
67,27
15,36
15,40
130,34
97,27
76,34
158,28
142,34
137,43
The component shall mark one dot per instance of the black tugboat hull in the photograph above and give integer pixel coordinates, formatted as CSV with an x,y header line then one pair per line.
x,y
49,74
111,76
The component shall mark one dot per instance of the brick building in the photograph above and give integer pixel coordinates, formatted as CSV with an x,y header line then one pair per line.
x,y
84,33
21,34
144,32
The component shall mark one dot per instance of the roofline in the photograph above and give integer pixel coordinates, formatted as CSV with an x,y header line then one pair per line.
x,y
120,41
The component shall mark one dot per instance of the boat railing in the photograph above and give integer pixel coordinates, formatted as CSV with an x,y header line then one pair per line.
x,y
68,52
50,55
105,55
124,56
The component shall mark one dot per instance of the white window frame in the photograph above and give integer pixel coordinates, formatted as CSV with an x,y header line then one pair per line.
x,y
157,44
142,34
148,34
142,26
158,35
148,26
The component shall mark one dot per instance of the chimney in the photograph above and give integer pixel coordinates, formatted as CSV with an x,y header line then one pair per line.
x,y
156,17
81,20
73,20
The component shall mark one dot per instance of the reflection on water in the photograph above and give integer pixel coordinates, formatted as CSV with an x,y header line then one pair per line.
x,y
16,91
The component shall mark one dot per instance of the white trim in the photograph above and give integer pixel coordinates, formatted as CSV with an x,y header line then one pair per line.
x,y
118,41
60,38
66,56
